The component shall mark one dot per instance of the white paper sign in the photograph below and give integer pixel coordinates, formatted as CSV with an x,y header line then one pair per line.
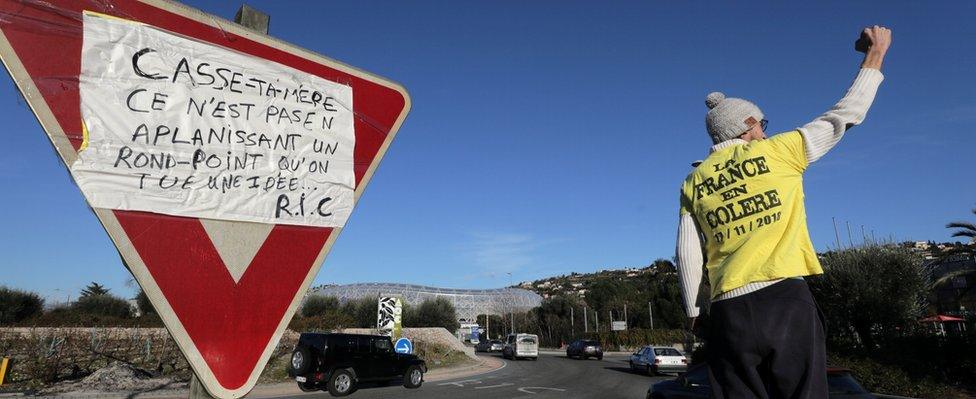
x,y
185,128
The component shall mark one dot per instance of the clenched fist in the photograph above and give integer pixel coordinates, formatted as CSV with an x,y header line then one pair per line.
x,y
874,43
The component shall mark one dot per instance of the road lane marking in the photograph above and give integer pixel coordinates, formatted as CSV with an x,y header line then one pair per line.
x,y
528,389
504,384
461,383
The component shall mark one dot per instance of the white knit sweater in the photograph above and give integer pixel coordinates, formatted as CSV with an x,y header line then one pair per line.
x,y
819,136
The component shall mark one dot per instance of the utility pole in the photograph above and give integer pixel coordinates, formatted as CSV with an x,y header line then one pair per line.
x,y
257,21
625,314
488,326
597,316
650,311
836,234
586,327
850,240
510,285
572,322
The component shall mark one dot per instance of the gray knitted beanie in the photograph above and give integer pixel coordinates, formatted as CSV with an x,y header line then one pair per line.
x,y
726,116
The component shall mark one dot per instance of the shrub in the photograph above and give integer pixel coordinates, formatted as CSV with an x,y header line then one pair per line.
x,y
103,305
330,321
142,302
437,312
881,378
870,294
319,305
362,312
636,338
17,305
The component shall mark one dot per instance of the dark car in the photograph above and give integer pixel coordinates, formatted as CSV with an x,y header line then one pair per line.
x,y
339,362
489,346
584,348
694,384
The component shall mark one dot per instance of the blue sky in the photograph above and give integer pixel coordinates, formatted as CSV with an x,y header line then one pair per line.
x,y
551,137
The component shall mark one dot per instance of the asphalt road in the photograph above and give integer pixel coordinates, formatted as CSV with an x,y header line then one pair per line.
x,y
551,376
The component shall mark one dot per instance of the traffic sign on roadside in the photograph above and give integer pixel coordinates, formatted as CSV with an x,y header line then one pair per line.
x,y
403,345
223,163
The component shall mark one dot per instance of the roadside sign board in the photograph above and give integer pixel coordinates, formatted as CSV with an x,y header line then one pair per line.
x,y
618,326
389,316
403,345
223,163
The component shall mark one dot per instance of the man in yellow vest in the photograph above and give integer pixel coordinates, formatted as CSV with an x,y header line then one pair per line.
x,y
745,204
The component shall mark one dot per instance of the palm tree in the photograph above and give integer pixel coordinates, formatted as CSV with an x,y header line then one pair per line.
x,y
966,229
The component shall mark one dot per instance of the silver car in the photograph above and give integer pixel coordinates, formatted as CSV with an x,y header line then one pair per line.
x,y
658,359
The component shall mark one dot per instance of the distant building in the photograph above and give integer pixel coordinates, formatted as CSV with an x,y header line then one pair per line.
x,y
954,284
467,303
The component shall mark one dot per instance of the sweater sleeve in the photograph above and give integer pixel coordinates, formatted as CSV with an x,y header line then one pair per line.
x,y
825,132
689,254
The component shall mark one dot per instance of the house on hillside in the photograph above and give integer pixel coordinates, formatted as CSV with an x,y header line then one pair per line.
x,y
953,285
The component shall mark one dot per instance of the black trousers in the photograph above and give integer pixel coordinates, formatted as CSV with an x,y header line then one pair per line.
x,y
768,344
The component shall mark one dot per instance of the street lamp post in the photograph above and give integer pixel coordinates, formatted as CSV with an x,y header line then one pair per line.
x,y
510,284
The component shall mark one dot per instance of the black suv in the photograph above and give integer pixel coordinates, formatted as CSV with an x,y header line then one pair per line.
x,y
584,348
338,362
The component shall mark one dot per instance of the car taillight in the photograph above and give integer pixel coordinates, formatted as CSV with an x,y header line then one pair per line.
x,y
657,361
318,376
685,361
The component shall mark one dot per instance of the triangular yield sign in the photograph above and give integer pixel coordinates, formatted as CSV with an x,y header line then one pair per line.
x,y
224,289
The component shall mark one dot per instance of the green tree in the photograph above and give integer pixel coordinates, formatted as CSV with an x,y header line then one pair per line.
x,y
321,313
145,306
17,305
495,324
103,305
318,305
362,312
870,294
94,289
437,312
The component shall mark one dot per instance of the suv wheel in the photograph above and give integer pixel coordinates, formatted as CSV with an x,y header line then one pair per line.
x,y
414,377
301,360
341,383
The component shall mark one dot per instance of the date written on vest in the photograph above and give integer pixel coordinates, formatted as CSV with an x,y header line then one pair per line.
x,y
730,183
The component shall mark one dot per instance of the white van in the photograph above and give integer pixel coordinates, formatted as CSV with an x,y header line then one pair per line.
x,y
521,345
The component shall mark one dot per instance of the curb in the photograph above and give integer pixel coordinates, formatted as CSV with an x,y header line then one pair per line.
x,y
484,365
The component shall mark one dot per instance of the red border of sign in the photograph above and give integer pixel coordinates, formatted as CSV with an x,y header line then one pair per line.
x,y
40,44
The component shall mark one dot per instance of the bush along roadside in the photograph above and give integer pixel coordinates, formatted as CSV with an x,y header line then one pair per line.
x,y
890,380
636,338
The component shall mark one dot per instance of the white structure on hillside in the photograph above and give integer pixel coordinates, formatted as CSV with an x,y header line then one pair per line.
x,y
467,303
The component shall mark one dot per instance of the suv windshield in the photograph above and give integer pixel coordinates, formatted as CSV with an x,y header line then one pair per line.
x,y
527,340
382,345
591,343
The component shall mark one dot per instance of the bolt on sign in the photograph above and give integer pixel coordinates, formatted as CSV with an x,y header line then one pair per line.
x,y
223,163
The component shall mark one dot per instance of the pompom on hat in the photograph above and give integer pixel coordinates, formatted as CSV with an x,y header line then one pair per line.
x,y
726,118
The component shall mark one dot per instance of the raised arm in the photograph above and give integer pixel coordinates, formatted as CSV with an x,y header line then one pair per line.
x,y
690,262
825,132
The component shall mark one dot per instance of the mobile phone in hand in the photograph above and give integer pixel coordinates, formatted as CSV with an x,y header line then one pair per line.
x,y
863,43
